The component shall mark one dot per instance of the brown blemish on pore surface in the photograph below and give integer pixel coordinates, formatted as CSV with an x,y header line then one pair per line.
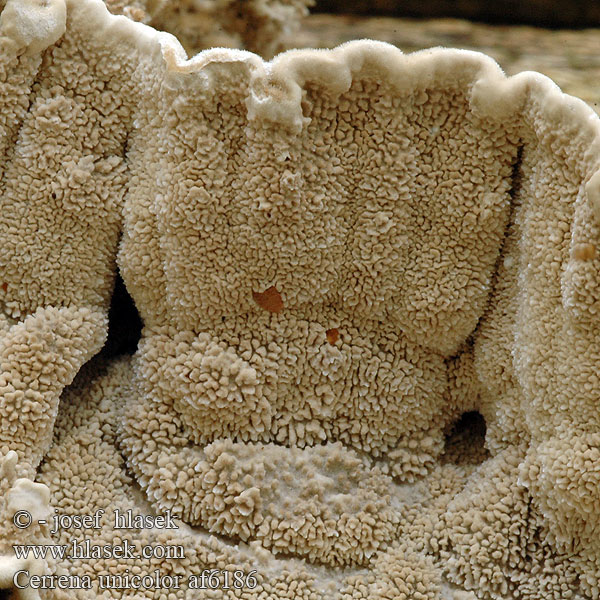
x,y
333,335
270,299
584,252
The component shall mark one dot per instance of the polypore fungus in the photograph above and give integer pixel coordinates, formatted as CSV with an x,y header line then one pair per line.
x,y
336,256
21,499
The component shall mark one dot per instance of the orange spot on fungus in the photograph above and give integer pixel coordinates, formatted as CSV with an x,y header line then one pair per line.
x,y
270,299
5,286
584,252
333,335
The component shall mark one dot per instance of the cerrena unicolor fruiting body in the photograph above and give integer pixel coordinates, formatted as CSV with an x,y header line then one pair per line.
x,y
335,255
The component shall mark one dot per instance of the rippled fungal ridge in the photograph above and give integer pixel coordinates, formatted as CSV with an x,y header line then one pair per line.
x,y
261,26
335,255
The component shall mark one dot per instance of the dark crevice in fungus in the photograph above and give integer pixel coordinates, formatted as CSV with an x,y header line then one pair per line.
x,y
465,441
517,174
124,323
514,193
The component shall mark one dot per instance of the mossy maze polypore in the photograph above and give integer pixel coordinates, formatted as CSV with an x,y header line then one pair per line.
x,y
334,256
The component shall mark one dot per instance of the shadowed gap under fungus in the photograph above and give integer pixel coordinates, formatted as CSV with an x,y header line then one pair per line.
x,y
465,441
124,323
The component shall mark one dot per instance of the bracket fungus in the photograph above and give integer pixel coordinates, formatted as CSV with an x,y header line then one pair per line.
x,y
335,255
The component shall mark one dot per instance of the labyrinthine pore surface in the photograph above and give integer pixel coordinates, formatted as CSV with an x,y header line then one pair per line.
x,y
352,267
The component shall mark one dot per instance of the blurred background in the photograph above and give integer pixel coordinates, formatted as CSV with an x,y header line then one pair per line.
x,y
559,38
577,14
